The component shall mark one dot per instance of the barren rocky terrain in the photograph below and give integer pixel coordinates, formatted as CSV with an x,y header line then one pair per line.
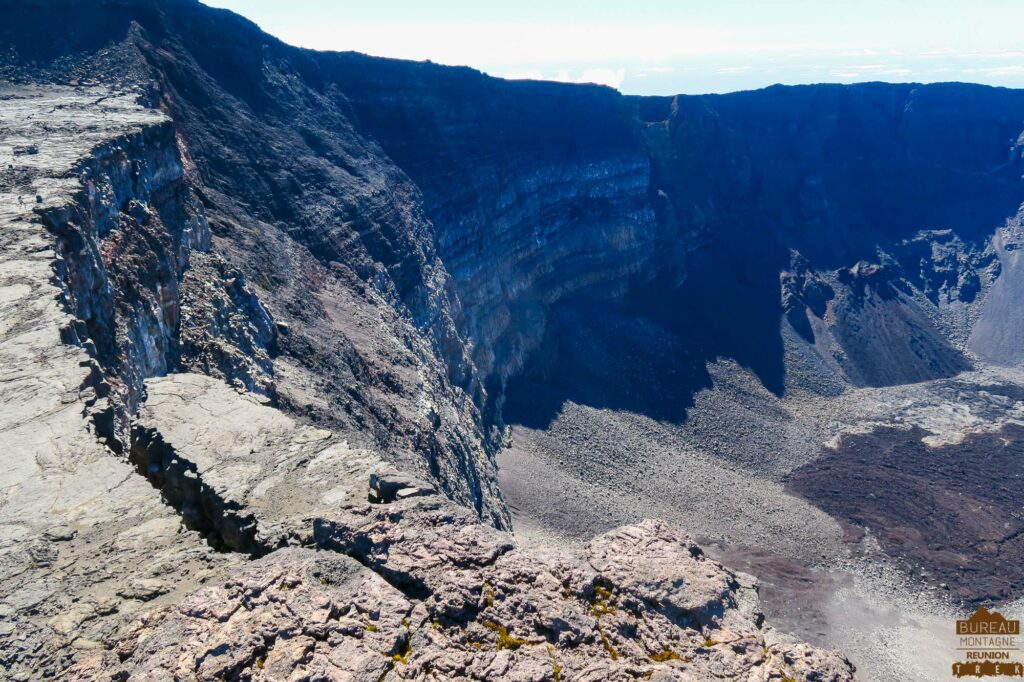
x,y
144,561
778,488
324,366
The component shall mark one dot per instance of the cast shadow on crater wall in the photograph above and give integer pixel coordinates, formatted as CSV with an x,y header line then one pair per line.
x,y
650,354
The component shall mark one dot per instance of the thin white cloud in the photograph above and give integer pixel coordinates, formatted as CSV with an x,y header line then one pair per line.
x,y
872,71
512,43
523,74
610,77
730,70
601,76
857,53
1007,70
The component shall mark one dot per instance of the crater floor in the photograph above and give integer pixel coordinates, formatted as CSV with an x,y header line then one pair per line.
x,y
873,517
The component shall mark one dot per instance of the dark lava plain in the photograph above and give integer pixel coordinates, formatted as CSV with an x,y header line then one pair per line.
x,y
951,514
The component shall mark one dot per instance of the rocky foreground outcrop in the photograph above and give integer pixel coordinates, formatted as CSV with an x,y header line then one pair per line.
x,y
416,588
368,573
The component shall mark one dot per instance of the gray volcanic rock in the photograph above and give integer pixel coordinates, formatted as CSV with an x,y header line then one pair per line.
x,y
84,542
226,331
123,244
463,603
998,334
358,255
239,469
523,195
294,612
903,346
442,557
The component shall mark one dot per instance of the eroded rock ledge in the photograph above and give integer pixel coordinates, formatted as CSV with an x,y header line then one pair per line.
x,y
388,579
418,589
238,470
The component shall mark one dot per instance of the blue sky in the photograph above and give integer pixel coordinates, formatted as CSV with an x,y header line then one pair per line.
x,y
672,46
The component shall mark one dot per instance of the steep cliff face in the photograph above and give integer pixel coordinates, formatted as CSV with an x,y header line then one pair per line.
x,y
537,191
124,246
832,171
308,208
914,178
672,210
121,249
422,234
331,232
